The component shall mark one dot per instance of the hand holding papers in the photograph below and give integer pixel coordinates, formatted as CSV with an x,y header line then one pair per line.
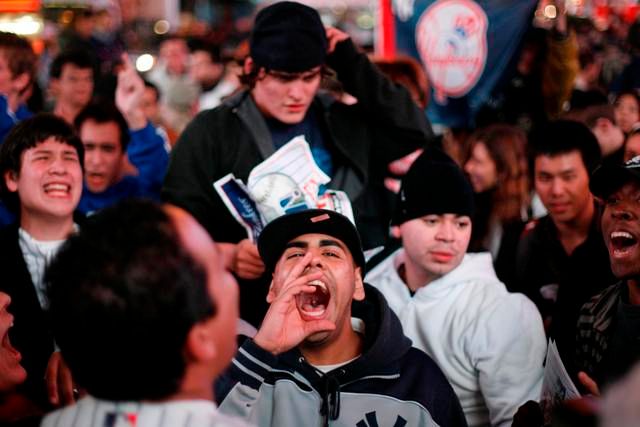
x,y
556,385
237,199
286,182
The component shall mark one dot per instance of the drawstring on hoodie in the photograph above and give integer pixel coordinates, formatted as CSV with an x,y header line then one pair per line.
x,y
330,398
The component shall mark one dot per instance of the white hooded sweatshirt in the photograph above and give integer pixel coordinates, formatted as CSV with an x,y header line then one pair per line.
x,y
488,342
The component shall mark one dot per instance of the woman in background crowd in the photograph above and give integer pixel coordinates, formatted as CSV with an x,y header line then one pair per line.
x,y
498,170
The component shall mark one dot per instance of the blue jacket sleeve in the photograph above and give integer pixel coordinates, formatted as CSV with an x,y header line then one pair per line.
x,y
148,152
8,118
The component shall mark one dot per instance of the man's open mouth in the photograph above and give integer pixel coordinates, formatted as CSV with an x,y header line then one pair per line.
x,y
6,344
314,304
96,180
622,242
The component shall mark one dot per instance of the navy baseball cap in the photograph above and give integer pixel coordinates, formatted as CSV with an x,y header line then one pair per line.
x,y
275,236
609,177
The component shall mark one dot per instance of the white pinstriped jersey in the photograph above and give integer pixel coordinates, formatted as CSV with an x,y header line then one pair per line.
x,y
91,412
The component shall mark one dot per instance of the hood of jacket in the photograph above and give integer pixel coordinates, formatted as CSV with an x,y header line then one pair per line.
x,y
475,267
384,342
383,349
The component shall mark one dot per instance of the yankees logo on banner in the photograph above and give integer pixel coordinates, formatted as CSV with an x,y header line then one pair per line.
x,y
451,37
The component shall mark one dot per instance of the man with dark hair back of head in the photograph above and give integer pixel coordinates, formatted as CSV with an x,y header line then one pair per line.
x,y
329,351
562,260
41,169
290,51
145,315
488,342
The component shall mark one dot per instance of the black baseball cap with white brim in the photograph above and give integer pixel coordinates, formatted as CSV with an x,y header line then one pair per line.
x,y
608,178
275,236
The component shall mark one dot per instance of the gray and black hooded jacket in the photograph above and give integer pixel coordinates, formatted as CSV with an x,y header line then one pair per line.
x,y
390,384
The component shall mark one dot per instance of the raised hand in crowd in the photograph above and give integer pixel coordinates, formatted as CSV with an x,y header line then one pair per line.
x,y
334,36
129,94
399,168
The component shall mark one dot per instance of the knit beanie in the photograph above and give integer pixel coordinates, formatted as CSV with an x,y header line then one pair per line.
x,y
434,185
289,37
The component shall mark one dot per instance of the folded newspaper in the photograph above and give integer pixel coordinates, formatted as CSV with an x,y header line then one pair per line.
x,y
288,181
557,385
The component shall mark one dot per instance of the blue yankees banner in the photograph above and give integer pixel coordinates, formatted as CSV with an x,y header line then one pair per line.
x,y
465,47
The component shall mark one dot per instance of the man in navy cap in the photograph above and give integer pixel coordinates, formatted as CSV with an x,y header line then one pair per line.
x,y
290,53
329,350
608,337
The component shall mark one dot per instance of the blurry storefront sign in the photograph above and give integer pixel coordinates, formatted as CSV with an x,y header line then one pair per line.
x,y
19,5
27,24
21,17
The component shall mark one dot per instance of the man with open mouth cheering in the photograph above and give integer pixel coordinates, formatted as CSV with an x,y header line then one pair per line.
x,y
329,351
608,339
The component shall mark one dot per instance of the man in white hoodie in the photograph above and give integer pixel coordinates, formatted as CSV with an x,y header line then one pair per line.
x,y
489,343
